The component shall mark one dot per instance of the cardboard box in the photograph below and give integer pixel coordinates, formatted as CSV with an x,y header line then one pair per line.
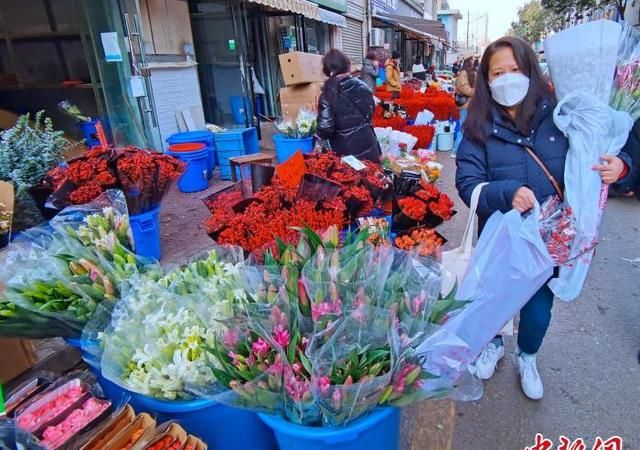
x,y
143,421
295,98
301,68
17,356
111,429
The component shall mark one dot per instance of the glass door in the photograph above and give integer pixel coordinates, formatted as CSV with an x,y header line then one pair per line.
x,y
113,33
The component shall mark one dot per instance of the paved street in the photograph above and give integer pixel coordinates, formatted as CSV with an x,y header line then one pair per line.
x,y
588,361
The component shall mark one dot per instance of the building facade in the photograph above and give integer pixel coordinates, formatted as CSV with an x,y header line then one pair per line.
x,y
450,19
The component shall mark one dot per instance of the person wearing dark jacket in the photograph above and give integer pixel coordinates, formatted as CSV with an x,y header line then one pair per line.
x,y
370,70
345,110
631,184
512,110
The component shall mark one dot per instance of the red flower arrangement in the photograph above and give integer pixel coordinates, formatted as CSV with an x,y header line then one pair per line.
x,y
144,177
443,207
413,208
277,209
424,133
427,240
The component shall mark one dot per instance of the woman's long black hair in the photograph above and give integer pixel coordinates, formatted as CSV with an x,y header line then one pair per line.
x,y
482,103
334,63
467,66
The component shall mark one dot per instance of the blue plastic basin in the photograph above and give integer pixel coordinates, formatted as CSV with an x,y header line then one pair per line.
x,y
220,426
380,430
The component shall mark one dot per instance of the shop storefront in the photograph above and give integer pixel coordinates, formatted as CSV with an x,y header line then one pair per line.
x,y
68,61
237,46
412,37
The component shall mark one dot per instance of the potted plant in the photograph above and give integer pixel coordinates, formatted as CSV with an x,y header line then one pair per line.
x,y
27,152
295,136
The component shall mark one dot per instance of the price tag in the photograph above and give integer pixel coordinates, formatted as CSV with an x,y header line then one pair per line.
x,y
111,47
354,162
292,170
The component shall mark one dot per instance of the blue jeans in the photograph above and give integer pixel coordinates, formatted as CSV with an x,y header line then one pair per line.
x,y
463,117
534,320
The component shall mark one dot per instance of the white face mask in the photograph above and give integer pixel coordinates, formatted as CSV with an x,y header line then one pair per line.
x,y
509,89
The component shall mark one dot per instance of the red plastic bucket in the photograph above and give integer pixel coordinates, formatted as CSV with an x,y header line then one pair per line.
x,y
187,147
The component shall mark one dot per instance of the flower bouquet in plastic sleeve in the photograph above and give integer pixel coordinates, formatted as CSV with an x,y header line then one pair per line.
x,y
352,370
626,88
145,177
583,77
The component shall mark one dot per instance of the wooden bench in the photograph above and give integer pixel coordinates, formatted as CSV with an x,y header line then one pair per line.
x,y
239,161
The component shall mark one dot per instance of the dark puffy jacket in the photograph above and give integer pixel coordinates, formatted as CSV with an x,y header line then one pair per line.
x,y
505,164
347,124
632,148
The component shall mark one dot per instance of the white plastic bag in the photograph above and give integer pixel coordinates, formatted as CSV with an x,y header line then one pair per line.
x,y
424,117
593,129
510,265
457,260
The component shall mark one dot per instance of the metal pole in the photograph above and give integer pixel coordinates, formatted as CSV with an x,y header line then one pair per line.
x,y
467,46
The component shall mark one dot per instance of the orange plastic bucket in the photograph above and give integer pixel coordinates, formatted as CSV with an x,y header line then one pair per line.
x,y
187,147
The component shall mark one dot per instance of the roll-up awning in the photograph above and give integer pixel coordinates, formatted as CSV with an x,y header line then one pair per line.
x,y
302,7
332,18
432,29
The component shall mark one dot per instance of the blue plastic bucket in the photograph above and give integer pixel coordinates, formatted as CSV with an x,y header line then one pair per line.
x,y
238,109
201,136
90,133
196,156
146,233
220,426
232,143
287,147
378,431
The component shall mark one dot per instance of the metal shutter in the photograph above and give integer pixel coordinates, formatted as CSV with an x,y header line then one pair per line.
x,y
352,41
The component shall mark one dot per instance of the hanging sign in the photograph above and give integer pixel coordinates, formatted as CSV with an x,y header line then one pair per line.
x,y
111,47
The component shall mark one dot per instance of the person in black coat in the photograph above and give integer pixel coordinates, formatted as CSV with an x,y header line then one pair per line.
x,y
512,110
345,110
631,184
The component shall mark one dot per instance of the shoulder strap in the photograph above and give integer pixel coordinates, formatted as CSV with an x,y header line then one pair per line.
x,y
546,171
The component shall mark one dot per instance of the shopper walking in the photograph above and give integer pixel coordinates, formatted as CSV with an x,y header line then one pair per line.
x,y
392,69
345,110
418,70
512,111
370,70
465,88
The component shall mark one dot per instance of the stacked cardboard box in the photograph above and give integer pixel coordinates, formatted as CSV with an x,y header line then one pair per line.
x,y
302,73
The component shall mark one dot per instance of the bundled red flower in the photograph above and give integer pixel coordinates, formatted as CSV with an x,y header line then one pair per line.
x,y
443,207
413,208
143,176
424,133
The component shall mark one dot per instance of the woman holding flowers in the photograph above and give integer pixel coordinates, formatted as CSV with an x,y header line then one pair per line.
x,y
511,142
345,110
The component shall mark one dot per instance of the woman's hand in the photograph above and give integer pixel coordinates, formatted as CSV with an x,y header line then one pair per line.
x,y
610,169
523,200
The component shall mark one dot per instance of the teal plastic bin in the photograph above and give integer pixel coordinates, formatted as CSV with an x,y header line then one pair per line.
x,y
202,137
287,147
380,430
232,143
146,233
220,426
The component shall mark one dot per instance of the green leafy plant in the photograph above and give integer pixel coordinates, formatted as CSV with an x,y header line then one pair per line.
x,y
29,150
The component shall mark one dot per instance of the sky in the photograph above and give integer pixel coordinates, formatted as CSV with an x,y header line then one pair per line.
x,y
501,13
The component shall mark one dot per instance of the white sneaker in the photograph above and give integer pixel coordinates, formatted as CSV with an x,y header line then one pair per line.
x,y
485,365
529,377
